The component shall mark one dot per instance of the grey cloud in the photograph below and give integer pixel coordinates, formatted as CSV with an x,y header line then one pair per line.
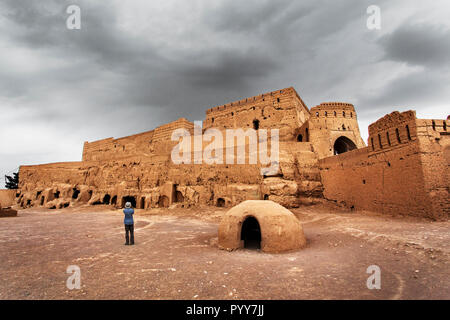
x,y
422,44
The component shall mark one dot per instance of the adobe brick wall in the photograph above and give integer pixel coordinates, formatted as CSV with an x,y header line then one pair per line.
x,y
7,197
407,174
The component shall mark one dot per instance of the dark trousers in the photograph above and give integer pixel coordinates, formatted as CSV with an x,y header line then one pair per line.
x,y
129,232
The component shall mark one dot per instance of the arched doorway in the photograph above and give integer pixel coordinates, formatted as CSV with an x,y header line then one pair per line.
x,y
251,233
179,196
343,144
163,202
299,138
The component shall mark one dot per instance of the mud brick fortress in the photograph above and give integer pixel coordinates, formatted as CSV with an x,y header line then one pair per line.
x,y
402,171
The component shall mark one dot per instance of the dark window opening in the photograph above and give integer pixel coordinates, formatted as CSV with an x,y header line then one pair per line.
x,y
398,136
142,206
114,200
266,197
408,133
56,194
129,199
371,141
389,164
335,114
326,114
251,233
221,202
388,139
343,114
42,200
75,193
343,127
364,181
212,120
433,125
278,100
299,138
106,199
256,124
28,202
444,125
163,202
307,135
351,114
317,114
379,141
343,144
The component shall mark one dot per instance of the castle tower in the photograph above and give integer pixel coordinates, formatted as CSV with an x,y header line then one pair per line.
x,y
332,129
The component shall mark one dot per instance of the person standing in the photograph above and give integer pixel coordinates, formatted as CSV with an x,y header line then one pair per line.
x,y
129,224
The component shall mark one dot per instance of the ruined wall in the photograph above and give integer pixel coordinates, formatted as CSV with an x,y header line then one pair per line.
x,y
7,197
147,143
402,172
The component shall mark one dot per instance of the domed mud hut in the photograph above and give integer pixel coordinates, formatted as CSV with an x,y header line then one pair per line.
x,y
261,224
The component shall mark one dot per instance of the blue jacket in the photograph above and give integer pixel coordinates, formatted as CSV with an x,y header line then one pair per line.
x,y
128,212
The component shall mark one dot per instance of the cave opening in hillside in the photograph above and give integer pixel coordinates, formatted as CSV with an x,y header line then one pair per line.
x,y
251,233
56,194
343,144
114,200
221,202
75,193
106,199
129,199
142,204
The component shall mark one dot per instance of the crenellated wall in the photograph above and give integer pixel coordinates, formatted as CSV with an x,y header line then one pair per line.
x,y
403,170
407,174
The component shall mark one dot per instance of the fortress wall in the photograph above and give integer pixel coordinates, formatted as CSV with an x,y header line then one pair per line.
x,y
282,109
147,143
403,178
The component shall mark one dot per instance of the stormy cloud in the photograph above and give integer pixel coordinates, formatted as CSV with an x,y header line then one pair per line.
x,y
135,65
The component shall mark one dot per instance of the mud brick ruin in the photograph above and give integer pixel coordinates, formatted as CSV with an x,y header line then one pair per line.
x,y
403,170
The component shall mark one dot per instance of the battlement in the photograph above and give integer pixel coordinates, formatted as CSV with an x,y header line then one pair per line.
x,y
164,132
334,109
270,96
392,130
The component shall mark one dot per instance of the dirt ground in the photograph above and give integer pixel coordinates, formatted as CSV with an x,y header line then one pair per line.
x,y
176,257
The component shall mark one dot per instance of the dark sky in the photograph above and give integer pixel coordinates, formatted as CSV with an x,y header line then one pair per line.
x,y
135,65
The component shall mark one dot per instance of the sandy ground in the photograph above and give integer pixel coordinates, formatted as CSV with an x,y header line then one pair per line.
x,y
176,257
